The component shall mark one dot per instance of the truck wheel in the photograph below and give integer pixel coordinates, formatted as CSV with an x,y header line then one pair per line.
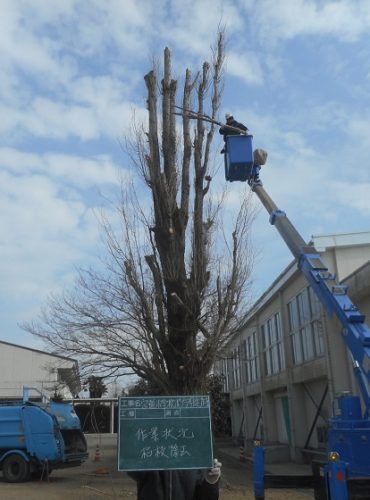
x,y
16,469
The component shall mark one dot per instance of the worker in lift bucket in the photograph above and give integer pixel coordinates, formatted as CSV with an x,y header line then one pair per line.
x,y
232,127
178,484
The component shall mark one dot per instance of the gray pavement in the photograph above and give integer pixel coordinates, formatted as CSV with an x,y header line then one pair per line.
x,y
226,446
99,479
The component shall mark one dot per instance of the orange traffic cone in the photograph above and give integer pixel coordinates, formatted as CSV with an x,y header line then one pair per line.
x,y
97,454
241,454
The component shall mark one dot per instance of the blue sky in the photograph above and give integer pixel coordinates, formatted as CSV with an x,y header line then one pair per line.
x,y
297,74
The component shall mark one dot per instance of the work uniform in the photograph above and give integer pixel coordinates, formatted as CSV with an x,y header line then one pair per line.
x,y
174,485
226,130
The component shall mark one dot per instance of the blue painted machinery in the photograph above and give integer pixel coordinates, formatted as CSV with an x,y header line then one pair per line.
x,y
349,428
239,165
36,437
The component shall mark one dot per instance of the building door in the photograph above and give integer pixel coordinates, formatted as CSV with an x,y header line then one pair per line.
x,y
238,420
286,414
283,419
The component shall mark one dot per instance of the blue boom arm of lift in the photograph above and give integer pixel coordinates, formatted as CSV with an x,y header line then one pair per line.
x,y
349,431
239,166
332,295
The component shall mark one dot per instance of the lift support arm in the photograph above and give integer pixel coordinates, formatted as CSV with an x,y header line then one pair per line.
x,y
332,295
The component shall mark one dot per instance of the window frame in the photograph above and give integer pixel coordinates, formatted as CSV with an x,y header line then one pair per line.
x,y
305,326
273,348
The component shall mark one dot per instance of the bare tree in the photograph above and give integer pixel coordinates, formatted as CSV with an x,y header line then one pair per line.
x,y
171,292
96,386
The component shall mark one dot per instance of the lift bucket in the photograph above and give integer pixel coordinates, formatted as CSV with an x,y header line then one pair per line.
x,y
238,158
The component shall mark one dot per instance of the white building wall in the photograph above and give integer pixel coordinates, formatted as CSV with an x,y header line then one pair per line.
x,y
21,367
290,398
344,253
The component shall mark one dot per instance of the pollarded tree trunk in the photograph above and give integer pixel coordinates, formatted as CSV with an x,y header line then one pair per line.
x,y
187,366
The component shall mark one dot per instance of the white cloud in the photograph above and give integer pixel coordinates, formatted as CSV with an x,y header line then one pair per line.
x,y
191,26
359,127
357,197
47,224
95,28
22,49
31,203
73,26
80,172
244,66
41,234
45,117
45,92
61,97
343,19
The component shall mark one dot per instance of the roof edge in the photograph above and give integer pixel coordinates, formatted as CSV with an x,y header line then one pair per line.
x,y
38,351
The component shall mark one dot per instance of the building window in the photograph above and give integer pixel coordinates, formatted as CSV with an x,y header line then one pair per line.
x,y
305,326
226,374
251,358
273,352
235,368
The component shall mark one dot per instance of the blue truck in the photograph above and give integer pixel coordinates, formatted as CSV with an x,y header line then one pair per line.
x,y
36,437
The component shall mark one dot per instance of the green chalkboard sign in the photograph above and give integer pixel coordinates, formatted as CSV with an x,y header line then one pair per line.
x,y
157,433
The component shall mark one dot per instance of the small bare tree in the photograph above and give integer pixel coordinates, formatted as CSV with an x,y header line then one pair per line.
x,y
171,293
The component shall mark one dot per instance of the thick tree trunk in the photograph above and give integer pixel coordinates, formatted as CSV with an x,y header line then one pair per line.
x,y
183,295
